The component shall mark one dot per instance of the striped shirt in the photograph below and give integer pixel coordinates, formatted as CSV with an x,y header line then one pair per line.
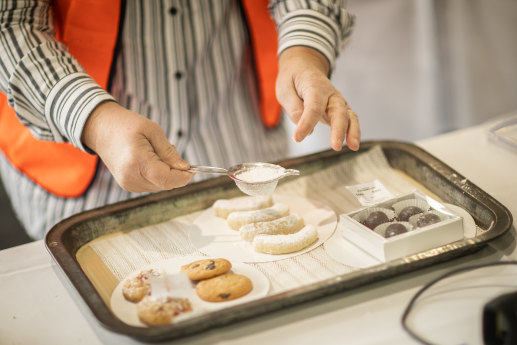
x,y
185,64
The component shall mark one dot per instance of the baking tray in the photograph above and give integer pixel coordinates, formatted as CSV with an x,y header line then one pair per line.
x,y
66,238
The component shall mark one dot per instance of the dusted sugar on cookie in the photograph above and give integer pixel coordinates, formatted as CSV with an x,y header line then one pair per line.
x,y
283,244
224,207
162,310
206,268
134,289
281,226
238,219
226,287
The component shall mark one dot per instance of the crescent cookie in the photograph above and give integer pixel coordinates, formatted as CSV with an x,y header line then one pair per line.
x,y
281,226
206,268
226,287
134,289
160,311
224,207
283,244
237,219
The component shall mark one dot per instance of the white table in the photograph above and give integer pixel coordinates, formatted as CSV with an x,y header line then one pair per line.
x,y
38,305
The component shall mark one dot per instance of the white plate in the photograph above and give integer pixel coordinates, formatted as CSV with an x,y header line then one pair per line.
x,y
212,236
126,311
344,251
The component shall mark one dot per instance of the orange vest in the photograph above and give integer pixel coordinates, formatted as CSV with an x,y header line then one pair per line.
x,y
66,171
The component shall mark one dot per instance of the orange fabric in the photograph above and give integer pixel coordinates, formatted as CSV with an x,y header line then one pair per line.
x,y
58,167
265,46
89,28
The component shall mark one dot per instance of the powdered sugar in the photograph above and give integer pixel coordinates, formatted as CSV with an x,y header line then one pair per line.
x,y
238,219
260,173
281,226
224,207
281,244
260,178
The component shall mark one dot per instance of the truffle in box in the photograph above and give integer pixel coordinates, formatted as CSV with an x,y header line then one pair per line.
x,y
405,225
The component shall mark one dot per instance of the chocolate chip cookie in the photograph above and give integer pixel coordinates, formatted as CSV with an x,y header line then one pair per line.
x,y
206,268
225,287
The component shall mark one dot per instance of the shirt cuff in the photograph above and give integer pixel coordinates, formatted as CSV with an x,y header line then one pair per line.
x,y
69,104
312,29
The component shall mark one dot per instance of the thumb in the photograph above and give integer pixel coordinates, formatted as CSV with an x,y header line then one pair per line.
x,y
166,151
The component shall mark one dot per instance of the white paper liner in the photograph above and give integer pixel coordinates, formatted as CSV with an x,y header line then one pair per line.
x,y
212,236
126,310
347,253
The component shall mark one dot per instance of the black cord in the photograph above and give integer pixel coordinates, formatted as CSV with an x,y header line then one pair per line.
x,y
411,303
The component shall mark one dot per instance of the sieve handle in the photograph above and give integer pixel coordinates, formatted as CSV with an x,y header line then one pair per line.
x,y
207,170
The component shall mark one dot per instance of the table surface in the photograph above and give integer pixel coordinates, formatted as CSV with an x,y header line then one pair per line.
x,y
39,306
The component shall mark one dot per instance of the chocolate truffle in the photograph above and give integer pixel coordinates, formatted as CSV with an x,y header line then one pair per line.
x,y
427,219
409,211
394,229
376,218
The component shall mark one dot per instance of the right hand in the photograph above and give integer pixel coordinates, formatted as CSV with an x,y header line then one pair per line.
x,y
135,150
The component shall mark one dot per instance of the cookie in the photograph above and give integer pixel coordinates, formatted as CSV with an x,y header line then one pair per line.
x,y
135,288
206,268
283,244
226,287
237,219
224,207
162,310
281,226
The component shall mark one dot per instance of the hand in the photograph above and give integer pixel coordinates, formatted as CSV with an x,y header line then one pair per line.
x,y
306,93
135,150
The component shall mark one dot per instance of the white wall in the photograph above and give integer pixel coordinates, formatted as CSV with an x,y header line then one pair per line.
x,y
417,68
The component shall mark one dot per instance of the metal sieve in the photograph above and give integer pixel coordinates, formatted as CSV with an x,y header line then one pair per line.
x,y
263,182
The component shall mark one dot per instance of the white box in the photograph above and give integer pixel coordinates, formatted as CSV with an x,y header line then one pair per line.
x,y
421,239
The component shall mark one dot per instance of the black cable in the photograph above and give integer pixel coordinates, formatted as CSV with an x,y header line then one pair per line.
x,y
411,303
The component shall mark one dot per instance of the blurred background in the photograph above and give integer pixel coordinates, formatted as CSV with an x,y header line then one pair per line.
x,y
411,70
417,68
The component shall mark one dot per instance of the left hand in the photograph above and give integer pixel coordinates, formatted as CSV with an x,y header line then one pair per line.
x,y
307,95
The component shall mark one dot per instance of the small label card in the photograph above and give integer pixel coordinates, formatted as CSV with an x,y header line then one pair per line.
x,y
370,193
174,285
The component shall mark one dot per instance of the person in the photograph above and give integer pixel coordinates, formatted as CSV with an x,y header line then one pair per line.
x,y
186,84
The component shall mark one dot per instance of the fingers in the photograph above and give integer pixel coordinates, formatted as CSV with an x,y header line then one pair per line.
x,y
353,137
135,150
164,168
160,176
141,170
344,124
314,106
334,111
312,99
166,151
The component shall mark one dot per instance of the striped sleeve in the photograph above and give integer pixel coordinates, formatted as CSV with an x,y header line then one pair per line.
x,y
324,25
46,86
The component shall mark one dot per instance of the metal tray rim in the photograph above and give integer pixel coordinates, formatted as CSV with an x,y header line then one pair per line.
x,y
65,256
